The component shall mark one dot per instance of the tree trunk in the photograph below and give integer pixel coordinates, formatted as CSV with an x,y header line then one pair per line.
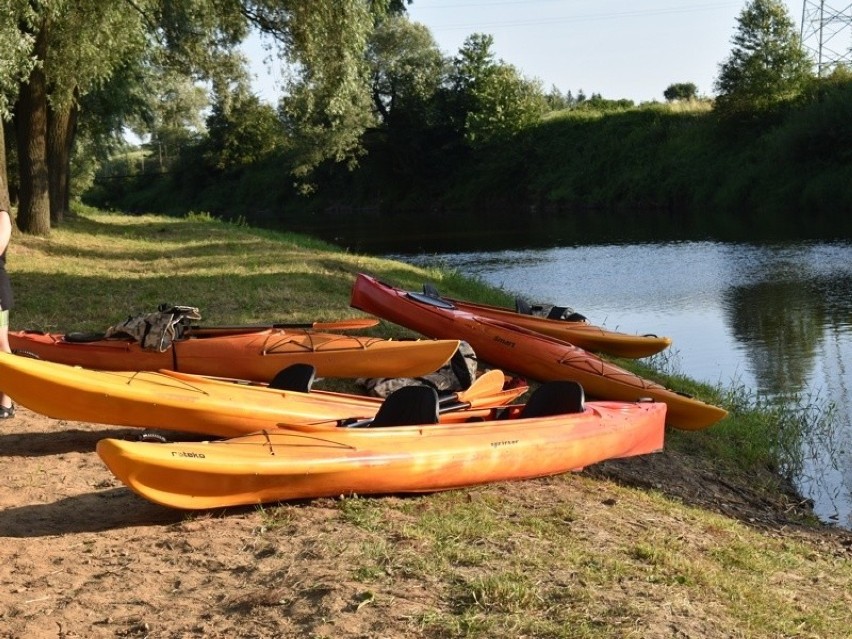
x,y
61,128
5,202
31,119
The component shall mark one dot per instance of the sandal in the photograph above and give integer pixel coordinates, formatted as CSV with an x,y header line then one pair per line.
x,y
7,411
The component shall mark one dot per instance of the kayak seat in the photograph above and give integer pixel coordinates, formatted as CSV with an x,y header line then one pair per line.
x,y
557,312
555,398
430,290
566,314
522,307
296,377
408,405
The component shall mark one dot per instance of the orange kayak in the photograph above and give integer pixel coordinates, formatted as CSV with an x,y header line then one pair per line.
x,y
579,333
528,353
255,356
193,403
298,463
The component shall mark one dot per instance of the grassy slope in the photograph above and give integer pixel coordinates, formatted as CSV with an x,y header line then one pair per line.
x,y
571,556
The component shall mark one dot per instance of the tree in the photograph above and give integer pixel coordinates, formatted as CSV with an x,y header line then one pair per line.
x,y
767,65
329,103
407,73
557,101
175,107
598,103
406,66
15,65
680,91
241,130
492,99
77,45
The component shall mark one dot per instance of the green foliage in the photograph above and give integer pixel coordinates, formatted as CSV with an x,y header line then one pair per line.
x,y
468,134
681,91
406,67
176,106
241,131
16,60
328,106
493,101
653,171
90,42
767,65
506,104
599,104
197,38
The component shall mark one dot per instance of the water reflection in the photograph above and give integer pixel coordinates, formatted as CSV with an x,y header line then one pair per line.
x,y
780,323
776,318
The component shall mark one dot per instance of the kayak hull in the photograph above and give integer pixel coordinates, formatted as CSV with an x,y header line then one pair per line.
x,y
190,403
289,464
528,353
255,356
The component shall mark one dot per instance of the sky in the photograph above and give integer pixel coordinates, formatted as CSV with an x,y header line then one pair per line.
x,y
631,49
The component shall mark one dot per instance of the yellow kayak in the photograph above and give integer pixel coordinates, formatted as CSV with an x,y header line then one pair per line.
x,y
579,333
192,403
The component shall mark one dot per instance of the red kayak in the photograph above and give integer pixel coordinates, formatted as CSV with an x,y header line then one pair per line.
x,y
528,353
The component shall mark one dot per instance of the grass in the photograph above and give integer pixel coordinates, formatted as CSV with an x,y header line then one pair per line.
x,y
570,556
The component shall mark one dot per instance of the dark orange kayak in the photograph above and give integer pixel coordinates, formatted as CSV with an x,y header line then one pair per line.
x,y
579,333
534,355
255,356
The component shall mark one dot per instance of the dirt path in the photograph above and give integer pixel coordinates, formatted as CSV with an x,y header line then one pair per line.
x,y
83,557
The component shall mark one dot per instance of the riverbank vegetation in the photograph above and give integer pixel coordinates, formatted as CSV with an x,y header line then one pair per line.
x,y
470,137
378,121
654,171
702,539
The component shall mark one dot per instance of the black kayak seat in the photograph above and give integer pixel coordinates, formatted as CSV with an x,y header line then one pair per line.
x,y
522,306
408,405
438,302
557,312
430,290
296,377
555,398
566,314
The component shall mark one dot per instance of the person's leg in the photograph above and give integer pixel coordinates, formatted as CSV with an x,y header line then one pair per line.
x,y
6,407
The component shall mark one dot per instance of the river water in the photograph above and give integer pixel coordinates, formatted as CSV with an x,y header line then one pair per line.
x,y
776,319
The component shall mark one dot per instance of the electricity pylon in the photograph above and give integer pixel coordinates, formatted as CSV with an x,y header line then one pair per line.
x,y
826,34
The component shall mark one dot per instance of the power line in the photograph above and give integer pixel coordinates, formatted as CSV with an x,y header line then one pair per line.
x,y
822,34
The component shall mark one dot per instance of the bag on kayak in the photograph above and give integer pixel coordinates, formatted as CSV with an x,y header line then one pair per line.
x,y
156,331
456,375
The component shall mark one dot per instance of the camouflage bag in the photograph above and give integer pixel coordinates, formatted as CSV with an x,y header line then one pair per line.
x,y
156,331
456,375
